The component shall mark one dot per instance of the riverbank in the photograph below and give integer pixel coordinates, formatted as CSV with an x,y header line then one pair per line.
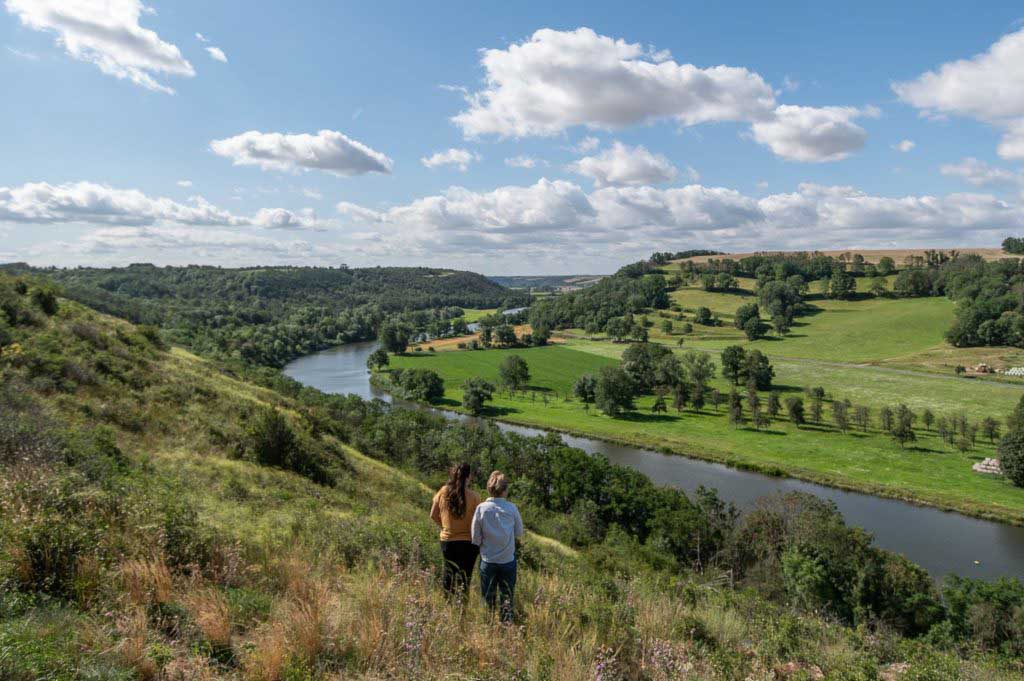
x,y
927,472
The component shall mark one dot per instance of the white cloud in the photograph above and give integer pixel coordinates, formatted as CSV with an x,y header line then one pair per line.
x,y
524,162
587,144
184,183
1012,144
520,221
904,146
202,38
328,150
460,158
559,79
812,134
180,245
217,54
22,54
624,165
988,87
312,194
106,33
280,218
90,203
500,228
981,174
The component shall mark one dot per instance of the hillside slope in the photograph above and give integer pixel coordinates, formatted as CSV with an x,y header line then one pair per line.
x,y
148,531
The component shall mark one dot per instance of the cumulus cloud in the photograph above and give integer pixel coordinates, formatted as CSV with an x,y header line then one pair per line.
x,y
460,158
904,146
97,204
530,220
981,174
587,144
328,150
524,162
1012,144
108,35
988,87
280,218
559,79
556,80
217,54
624,165
812,134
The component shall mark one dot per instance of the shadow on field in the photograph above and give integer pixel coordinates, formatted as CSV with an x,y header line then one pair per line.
x,y
491,410
640,417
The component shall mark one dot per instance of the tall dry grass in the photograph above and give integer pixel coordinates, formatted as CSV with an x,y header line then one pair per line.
x,y
147,581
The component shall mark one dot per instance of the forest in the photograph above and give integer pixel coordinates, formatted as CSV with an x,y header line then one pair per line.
x,y
270,315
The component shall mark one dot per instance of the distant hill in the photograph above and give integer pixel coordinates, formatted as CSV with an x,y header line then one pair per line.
x,y
270,315
552,282
870,254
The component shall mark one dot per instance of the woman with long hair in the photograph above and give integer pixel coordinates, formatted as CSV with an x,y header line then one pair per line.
x,y
452,509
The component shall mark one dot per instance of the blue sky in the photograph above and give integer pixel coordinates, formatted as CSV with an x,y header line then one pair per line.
x,y
703,125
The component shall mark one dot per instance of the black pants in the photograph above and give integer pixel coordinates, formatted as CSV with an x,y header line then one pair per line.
x,y
459,559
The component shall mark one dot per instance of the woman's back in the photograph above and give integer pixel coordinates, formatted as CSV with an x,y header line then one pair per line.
x,y
454,527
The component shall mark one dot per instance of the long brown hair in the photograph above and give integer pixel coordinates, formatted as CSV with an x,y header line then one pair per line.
x,y
455,489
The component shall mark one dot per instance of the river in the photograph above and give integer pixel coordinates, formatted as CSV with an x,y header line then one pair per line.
x,y
942,542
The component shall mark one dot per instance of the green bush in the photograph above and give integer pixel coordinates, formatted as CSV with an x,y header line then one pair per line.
x,y
45,298
271,441
1011,456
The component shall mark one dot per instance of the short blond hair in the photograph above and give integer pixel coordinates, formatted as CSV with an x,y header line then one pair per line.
x,y
497,484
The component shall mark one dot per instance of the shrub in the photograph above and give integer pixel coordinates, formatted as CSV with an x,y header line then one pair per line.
x,y
270,441
152,336
1011,456
45,298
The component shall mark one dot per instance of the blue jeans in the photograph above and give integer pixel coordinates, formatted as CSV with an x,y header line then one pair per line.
x,y
498,580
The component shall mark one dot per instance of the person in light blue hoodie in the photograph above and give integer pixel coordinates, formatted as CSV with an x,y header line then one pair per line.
x,y
496,526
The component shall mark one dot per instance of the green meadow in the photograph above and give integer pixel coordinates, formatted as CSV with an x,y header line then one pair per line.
x,y
926,471
868,329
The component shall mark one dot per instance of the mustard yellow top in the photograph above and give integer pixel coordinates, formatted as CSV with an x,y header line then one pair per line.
x,y
452,528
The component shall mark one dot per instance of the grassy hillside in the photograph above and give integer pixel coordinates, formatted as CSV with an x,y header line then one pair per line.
x,y
141,537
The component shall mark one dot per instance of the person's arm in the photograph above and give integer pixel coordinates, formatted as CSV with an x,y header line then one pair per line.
x,y
435,511
476,534
519,524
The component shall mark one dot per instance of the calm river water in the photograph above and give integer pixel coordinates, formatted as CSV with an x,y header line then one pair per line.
x,y
940,541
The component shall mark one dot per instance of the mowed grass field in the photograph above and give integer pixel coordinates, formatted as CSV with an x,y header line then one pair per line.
x,y
868,329
927,471
473,314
